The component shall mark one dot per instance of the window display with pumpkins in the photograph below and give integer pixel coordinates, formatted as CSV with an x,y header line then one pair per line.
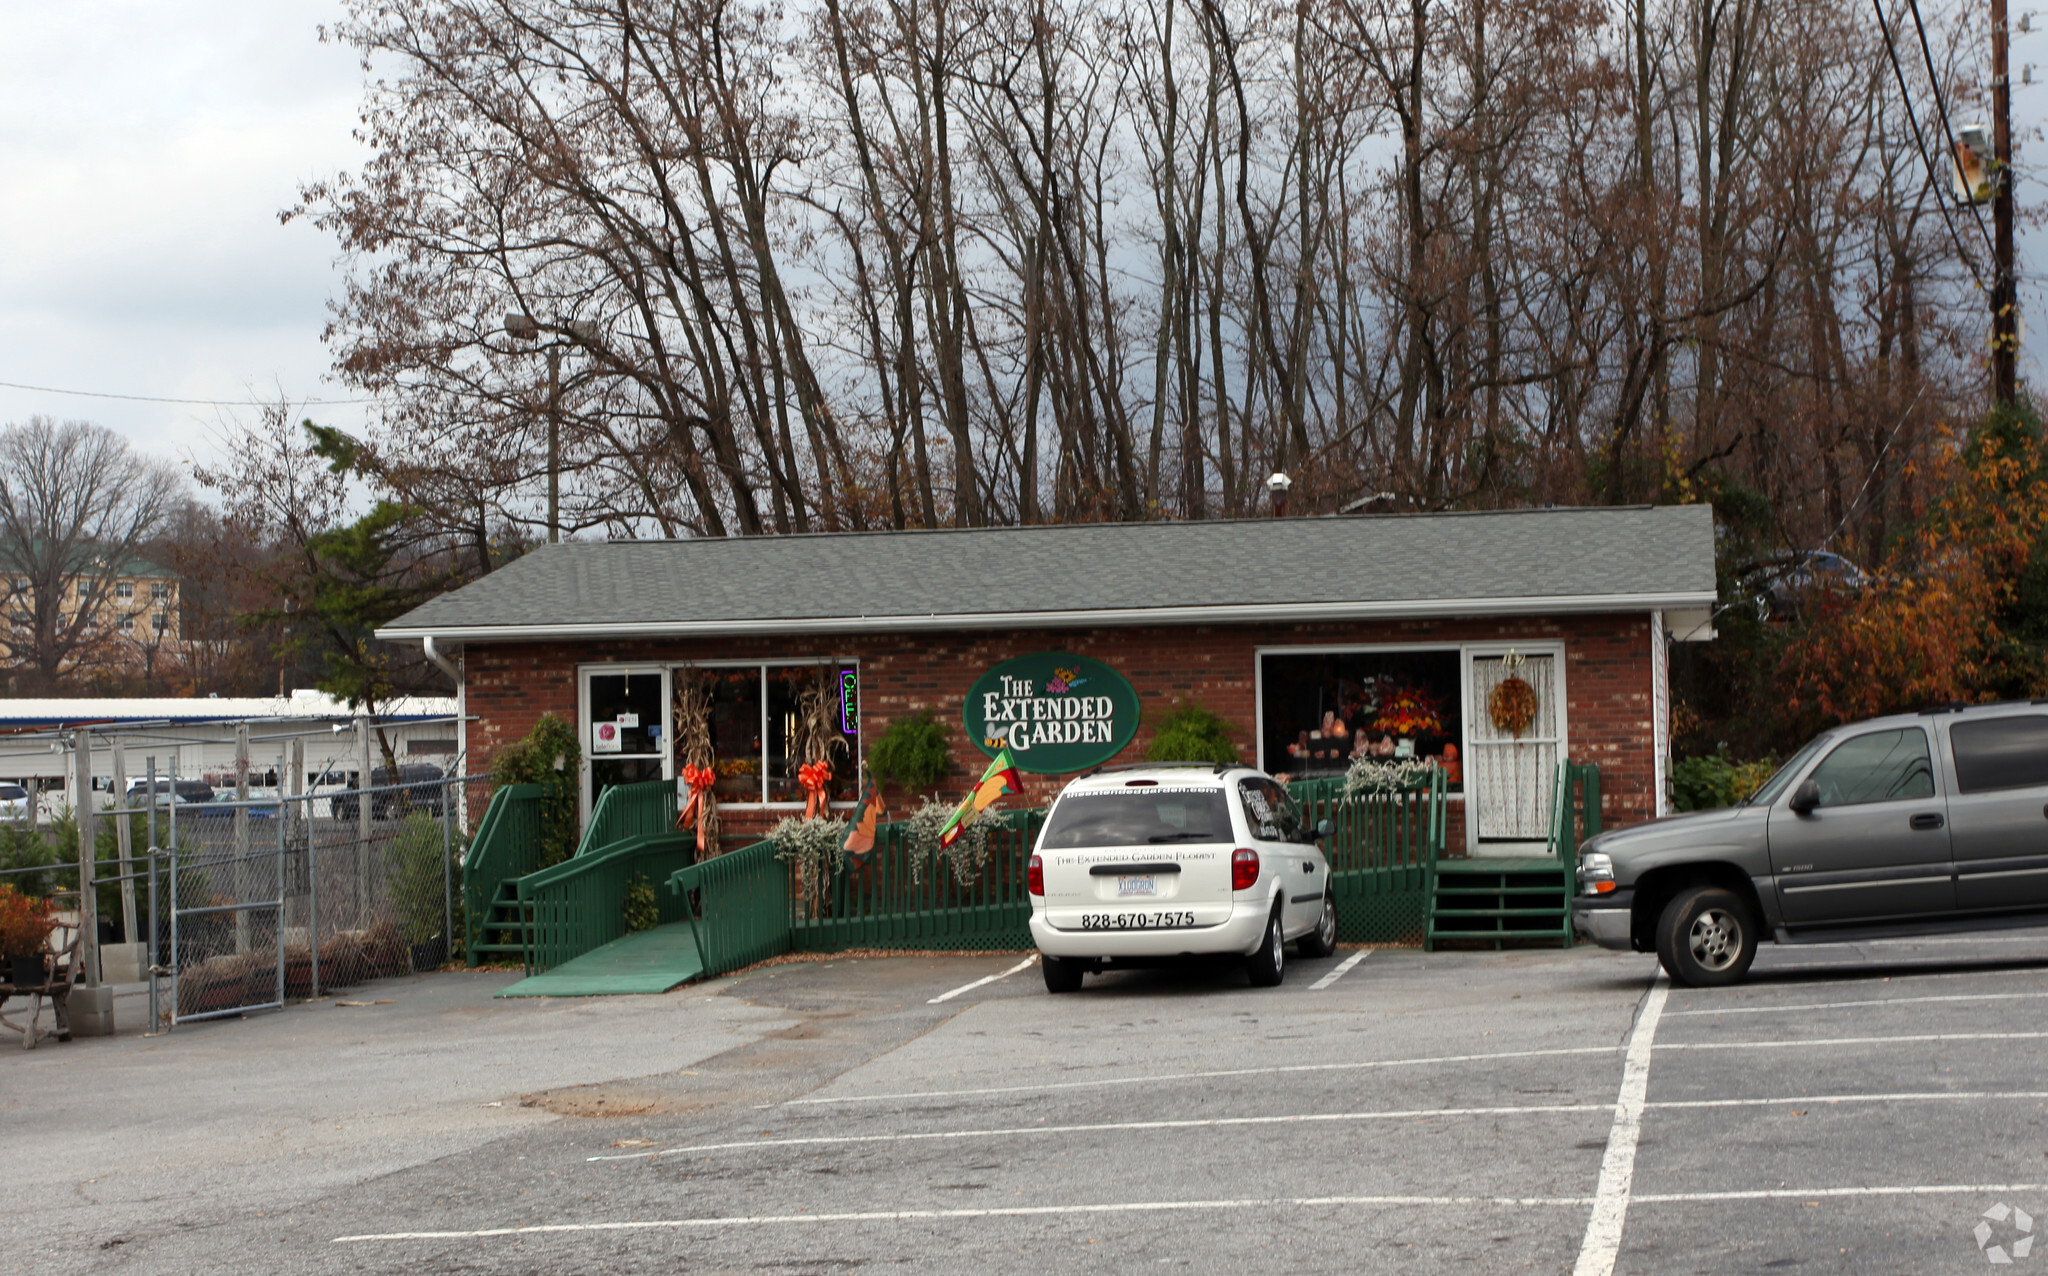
x,y
1323,710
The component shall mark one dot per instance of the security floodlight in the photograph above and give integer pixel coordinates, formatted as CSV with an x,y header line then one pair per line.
x,y
1278,485
522,327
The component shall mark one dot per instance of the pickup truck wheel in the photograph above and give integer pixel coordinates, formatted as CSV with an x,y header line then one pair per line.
x,y
1267,965
1706,938
1322,941
1060,976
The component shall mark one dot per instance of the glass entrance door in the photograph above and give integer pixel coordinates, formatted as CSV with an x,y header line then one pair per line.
x,y
625,729
1511,773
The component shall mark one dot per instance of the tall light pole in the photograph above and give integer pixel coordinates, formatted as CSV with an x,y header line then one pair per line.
x,y
528,328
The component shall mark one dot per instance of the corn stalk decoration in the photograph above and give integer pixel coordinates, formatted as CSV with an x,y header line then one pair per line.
x,y
815,737
692,703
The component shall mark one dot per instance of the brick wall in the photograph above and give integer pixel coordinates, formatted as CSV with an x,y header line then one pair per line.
x,y
1607,683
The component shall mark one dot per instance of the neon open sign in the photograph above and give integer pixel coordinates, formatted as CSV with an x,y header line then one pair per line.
x,y
849,702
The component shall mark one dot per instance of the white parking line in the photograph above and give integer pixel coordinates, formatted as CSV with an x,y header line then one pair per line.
x,y
1191,1123
1339,973
1015,1211
1162,1077
1602,1242
1817,1193
1854,1041
985,979
1813,1100
1847,1005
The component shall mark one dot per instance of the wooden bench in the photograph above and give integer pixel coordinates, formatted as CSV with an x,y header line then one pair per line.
x,y
63,971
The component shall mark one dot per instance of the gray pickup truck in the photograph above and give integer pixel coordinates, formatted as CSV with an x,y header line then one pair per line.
x,y
1915,824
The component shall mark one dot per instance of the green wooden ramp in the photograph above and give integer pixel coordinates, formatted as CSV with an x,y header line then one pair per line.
x,y
648,961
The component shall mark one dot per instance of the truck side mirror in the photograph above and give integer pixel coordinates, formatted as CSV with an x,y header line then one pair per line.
x,y
1805,798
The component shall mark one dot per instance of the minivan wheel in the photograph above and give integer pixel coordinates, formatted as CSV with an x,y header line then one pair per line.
x,y
1322,941
1267,965
1706,938
1060,975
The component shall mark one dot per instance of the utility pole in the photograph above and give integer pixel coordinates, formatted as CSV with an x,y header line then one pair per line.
x,y
553,435
2005,316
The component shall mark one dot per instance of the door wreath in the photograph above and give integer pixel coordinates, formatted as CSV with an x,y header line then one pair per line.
x,y
1511,705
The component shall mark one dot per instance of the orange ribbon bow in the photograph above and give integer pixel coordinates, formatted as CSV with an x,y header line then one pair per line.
x,y
814,776
700,779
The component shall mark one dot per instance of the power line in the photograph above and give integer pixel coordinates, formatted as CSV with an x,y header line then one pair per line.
x,y
1920,144
151,398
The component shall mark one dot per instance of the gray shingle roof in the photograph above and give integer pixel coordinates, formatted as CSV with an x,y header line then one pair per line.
x,y
1523,561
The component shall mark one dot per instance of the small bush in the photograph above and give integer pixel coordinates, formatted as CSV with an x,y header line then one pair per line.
x,y
641,911
414,864
1192,734
25,923
912,753
1711,781
550,757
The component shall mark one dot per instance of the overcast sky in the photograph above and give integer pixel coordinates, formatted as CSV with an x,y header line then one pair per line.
x,y
145,150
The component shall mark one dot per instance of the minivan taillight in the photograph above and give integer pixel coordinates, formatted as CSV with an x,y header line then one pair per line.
x,y
1244,869
1034,876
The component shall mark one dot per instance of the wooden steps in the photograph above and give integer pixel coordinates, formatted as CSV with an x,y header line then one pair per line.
x,y
1496,901
505,925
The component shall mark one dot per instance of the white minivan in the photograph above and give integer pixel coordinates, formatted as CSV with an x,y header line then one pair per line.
x,y
1166,860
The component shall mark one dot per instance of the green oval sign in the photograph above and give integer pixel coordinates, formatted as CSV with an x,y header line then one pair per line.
x,y
1055,712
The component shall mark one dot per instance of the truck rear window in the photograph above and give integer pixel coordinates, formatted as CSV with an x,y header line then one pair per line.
x,y
1139,818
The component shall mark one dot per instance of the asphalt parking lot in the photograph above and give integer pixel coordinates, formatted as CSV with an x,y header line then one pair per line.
x,y
1851,1108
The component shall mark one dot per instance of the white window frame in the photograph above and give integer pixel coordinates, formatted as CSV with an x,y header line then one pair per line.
x,y
833,662
1467,652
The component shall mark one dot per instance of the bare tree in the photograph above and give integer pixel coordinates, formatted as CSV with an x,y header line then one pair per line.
x,y
76,507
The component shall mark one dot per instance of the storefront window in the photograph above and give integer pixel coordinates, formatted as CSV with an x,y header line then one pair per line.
x,y
1323,709
754,718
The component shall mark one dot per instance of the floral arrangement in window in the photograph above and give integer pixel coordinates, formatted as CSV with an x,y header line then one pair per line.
x,y
1410,710
728,767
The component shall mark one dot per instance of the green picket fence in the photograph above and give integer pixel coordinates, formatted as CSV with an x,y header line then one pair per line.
x,y
629,810
741,906
506,845
580,904
884,900
1380,854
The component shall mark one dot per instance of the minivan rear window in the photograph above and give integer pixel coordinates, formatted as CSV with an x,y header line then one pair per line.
x,y
1137,818
2001,753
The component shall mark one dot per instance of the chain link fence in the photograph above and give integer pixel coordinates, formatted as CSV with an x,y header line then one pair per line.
x,y
248,904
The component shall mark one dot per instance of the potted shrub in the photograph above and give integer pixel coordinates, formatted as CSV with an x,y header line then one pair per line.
x,y
25,926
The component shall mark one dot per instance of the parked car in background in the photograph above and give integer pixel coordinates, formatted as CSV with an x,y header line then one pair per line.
x,y
187,793
1150,863
417,787
13,802
1923,823
1779,586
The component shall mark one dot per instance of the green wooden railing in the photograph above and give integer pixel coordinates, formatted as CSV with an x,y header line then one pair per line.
x,y
881,903
506,845
1574,810
629,810
579,904
1382,852
741,905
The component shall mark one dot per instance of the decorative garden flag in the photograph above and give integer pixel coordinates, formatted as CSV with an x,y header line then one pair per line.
x,y
862,839
1000,778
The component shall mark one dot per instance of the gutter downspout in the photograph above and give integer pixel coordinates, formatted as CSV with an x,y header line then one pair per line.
x,y
441,661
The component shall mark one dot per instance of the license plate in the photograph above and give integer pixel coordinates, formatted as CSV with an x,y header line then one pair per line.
x,y
1136,921
1129,886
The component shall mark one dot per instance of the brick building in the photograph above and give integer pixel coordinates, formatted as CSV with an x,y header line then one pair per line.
x,y
1316,639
